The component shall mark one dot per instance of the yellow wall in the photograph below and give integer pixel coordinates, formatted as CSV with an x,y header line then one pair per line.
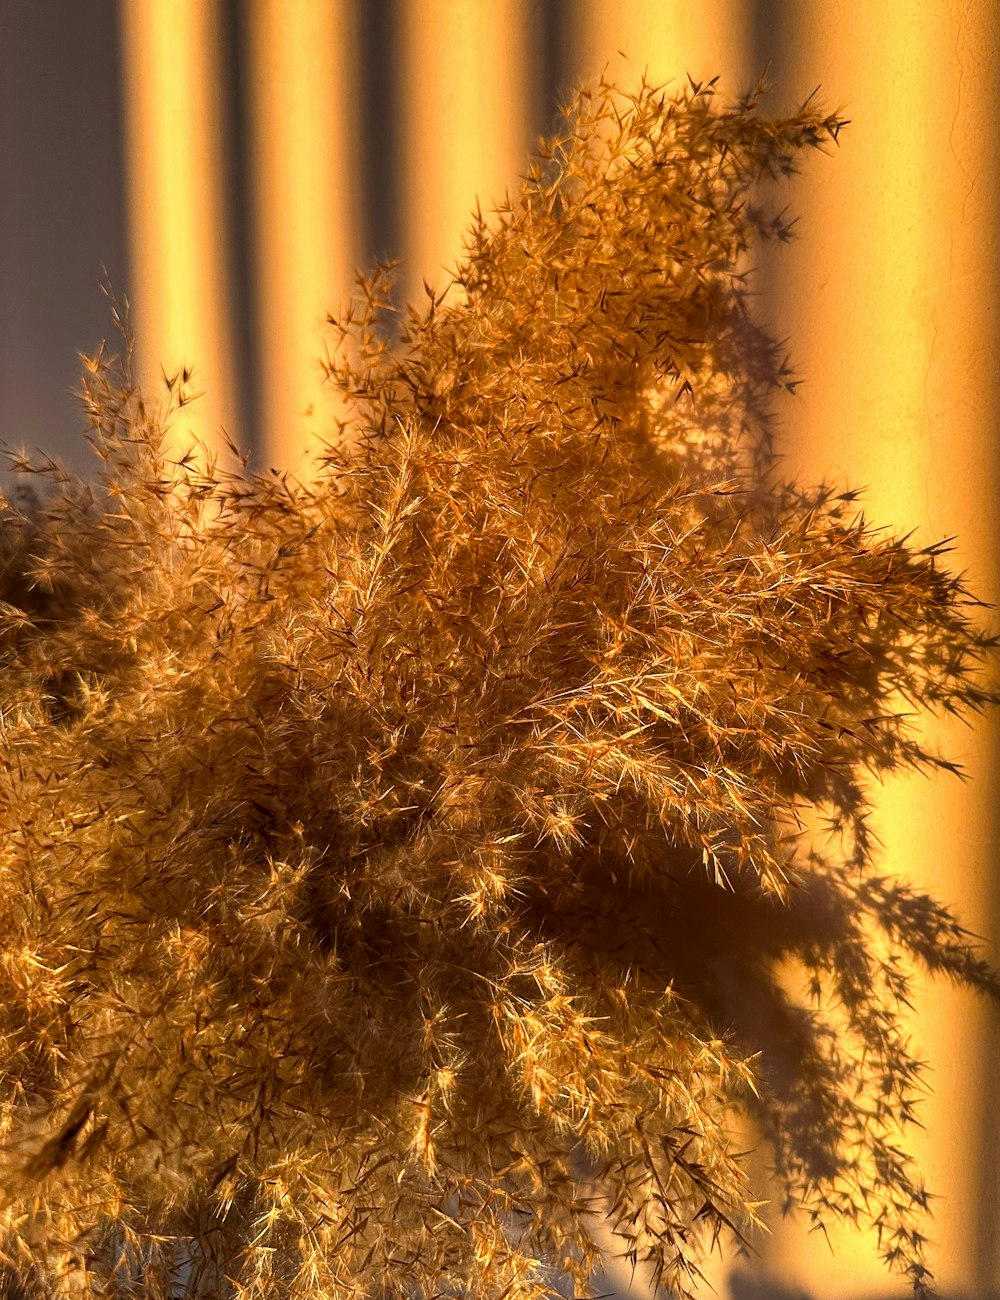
x,y
175,210
666,39
889,299
302,75
465,85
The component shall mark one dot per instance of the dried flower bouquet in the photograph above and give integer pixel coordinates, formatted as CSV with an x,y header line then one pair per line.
x,y
401,872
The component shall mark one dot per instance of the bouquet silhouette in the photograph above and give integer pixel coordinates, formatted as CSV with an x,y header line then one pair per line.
x,y
409,877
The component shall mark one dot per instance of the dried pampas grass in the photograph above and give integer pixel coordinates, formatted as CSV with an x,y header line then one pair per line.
x,y
397,871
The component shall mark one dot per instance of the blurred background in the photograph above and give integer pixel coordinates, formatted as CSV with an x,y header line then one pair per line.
x,y
228,164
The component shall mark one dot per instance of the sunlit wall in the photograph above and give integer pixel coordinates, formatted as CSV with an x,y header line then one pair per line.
x,y
889,298
270,146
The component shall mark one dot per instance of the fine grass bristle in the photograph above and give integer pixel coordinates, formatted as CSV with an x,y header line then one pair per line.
x,y
399,869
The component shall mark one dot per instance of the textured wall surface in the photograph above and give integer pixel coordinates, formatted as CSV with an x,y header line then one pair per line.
x,y
889,298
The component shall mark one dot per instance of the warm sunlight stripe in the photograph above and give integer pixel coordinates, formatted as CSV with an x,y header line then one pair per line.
x,y
176,217
466,79
303,96
667,39
890,297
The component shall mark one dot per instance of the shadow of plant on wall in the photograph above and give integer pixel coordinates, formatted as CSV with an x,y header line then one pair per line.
x,y
402,871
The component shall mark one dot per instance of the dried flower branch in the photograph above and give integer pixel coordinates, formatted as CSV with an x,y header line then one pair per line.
x,y
398,870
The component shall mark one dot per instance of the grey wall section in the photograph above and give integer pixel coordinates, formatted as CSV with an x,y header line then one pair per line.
x,y
61,212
